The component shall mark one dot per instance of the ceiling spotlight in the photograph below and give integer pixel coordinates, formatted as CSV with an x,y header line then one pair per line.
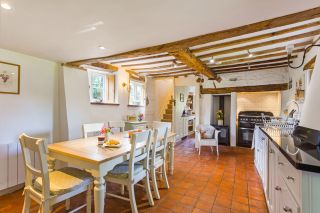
x,y
102,47
6,6
211,60
250,55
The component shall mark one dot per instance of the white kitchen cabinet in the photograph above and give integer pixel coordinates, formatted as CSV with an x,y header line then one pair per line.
x,y
287,189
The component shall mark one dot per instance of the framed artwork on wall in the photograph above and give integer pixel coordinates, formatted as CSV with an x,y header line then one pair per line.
x,y
9,78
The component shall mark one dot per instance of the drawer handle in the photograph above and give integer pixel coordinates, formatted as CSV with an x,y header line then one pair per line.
x,y
290,178
278,188
287,209
280,163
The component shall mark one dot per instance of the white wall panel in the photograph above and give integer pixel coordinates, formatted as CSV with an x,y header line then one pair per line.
x,y
12,164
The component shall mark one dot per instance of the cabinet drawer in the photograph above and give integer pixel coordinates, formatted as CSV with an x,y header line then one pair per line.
x,y
287,203
291,176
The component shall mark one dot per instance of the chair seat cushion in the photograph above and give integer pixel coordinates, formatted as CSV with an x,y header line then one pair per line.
x,y
65,180
122,170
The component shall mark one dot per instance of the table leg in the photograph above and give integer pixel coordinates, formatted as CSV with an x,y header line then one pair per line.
x,y
99,193
171,157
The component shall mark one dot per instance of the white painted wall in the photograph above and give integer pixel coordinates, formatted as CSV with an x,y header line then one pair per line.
x,y
233,119
78,107
310,116
35,111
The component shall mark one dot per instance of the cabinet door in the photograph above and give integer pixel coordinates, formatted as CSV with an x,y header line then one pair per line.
x,y
272,178
286,203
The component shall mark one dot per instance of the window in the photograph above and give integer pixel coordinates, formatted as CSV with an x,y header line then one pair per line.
x,y
103,87
136,97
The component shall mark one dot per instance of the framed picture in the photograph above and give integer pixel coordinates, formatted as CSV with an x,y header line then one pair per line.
x,y
9,78
181,97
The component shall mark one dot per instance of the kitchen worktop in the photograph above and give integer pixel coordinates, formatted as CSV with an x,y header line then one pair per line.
x,y
302,155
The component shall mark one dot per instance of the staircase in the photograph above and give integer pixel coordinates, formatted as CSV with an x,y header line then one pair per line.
x,y
167,117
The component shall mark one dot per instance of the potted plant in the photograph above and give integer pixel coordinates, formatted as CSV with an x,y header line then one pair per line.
x,y
106,132
140,117
219,115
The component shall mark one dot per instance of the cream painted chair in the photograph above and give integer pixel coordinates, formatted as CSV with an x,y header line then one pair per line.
x,y
158,158
211,142
117,126
92,129
48,188
136,169
159,124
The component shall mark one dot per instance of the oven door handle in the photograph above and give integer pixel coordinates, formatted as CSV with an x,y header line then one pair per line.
x,y
246,128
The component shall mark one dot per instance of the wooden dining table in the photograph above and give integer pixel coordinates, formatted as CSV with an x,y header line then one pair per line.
x,y
85,153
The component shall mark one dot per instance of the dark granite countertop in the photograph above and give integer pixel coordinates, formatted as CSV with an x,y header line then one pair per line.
x,y
303,156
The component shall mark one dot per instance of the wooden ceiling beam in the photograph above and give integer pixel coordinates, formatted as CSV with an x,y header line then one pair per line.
x,y
257,88
174,75
211,37
105,66
170,69
147,63
255,38
186,57
310,64
252,66
179,65
170,73
242,58
249,70
261,44
282,59
139,59
165,71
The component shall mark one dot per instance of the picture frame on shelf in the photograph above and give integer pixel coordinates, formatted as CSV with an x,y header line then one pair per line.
x,y
9,78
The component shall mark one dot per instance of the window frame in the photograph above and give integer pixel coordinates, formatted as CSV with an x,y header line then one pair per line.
x,y
106,88
142,83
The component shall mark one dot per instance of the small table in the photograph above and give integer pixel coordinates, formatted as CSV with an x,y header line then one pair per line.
x,y
130,125
86,154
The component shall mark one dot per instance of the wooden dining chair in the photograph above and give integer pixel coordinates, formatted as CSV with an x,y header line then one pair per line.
x,y
158,158
92,129
117,126
50,187
129,173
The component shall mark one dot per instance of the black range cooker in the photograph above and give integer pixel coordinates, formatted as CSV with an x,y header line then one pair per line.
x,y
246,123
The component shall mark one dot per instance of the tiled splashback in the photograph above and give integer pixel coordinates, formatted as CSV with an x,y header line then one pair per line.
x,y
259,101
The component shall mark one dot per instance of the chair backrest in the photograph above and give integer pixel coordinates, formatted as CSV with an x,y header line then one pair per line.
x,y
142,140
30,145
159,143
116,126
159,124
92,129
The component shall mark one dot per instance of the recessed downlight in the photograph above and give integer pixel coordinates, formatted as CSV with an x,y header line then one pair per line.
x,y
102,47
6,6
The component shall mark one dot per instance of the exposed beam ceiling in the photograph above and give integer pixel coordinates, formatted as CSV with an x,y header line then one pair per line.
x,y
211,37
255,38
261,44
258,88
186,57
251,63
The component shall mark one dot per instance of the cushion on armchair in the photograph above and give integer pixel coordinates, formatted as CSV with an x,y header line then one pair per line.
x,y
206,131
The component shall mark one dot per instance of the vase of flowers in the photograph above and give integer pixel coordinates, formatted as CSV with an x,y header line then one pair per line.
x,y
106,132
219,115
140,117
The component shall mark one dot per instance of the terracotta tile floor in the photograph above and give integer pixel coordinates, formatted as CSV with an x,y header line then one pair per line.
x,y
200,184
